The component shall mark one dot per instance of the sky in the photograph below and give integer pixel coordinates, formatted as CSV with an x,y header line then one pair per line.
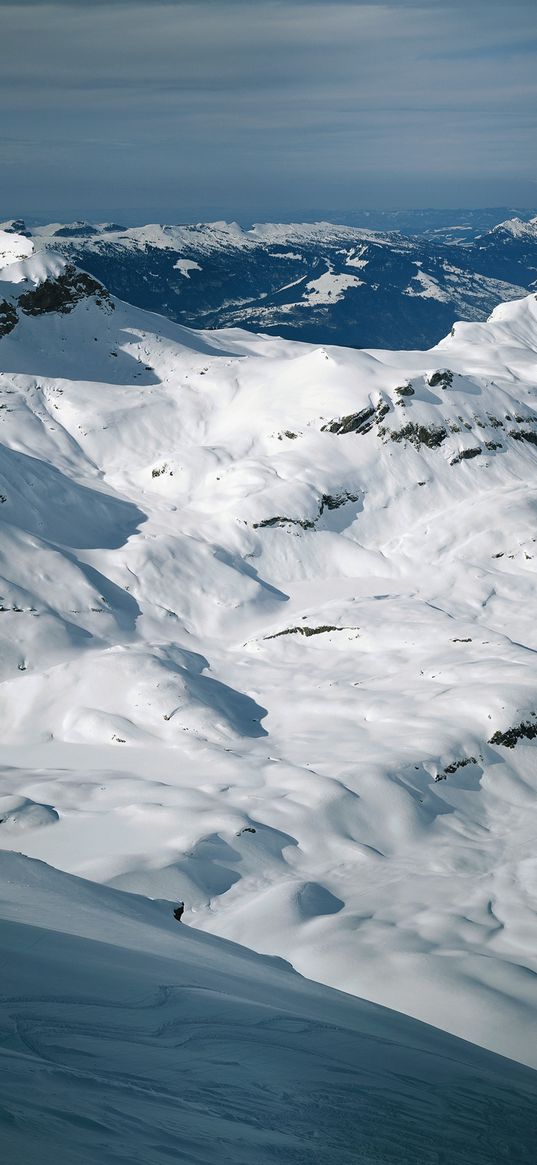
x,y
144,110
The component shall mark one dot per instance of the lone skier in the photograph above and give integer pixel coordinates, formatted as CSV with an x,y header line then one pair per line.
x,y
179,911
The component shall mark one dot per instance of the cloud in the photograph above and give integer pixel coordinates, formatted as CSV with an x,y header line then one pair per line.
x,y
312,97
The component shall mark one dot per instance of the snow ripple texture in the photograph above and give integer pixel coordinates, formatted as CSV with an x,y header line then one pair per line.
x,y
123,1040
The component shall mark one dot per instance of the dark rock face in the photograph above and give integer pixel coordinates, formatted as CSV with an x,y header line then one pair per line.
x,y
8,317
326,502
465,455
442,379
524,435
335,501
270,523
361,422
524,731
76,231
59,294
309,631
353,423
18,227
418,435
62,294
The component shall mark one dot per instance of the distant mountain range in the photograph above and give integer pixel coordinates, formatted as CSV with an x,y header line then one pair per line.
x,y
450,226
317,282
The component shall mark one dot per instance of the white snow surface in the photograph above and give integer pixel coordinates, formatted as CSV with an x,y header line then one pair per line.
x,y
13,247
125,1038
355,258
185,266
175,514
425,286
20,263
518,227
215,235
329,287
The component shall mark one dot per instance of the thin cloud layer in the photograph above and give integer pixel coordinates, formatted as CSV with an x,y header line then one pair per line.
x,y
231,106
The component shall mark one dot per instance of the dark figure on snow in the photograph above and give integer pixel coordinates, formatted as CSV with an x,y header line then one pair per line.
x,y
179,911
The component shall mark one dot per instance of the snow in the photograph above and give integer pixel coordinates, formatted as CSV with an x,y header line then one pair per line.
x,y
425,286
355,258
287,255
518,228
185,266
329,288
210,237
33,270
313,232
175,511
128,1037
13,247
467,293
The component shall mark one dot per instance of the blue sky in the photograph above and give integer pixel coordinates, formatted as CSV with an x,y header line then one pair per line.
x,y
142,109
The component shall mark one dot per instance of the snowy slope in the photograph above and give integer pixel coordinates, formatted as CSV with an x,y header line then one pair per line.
x,y
518,228
124,1038
508,251
319,282
265,609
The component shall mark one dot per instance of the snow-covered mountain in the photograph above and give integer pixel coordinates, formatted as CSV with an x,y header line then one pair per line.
x,y
443,225
509,251
319,282
126,1040
268,639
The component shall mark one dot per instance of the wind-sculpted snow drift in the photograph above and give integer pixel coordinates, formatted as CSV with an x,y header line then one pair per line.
x,y
123,1040
264,609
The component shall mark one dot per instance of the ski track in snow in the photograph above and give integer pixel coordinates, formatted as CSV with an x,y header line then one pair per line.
x,y
164,519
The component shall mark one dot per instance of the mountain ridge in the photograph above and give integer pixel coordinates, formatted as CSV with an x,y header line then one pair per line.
x,y
321,283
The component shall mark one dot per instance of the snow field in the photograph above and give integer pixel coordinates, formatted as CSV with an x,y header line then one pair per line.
x,y
126,1037
177,515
